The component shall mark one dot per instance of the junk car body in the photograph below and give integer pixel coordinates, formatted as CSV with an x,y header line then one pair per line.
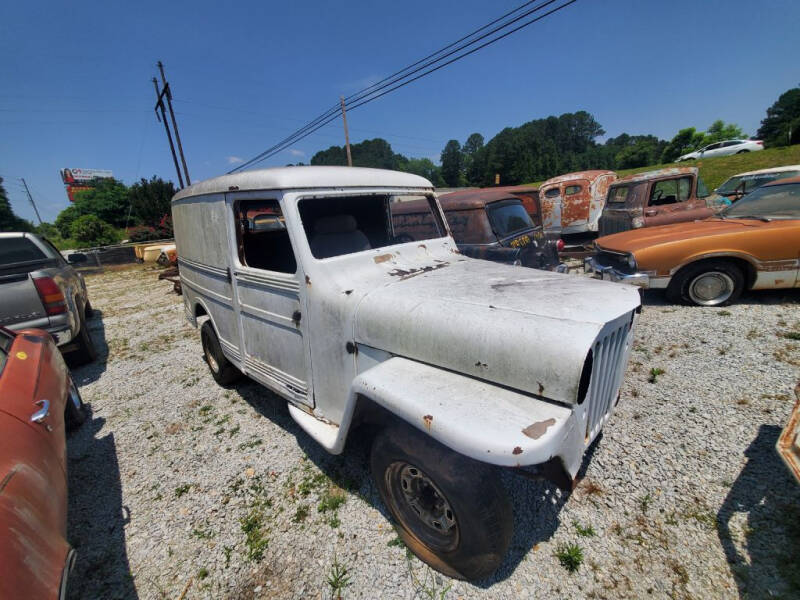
x,y
741,184
788,445
654,198
577,199
37,402
752,244
459,366
485,223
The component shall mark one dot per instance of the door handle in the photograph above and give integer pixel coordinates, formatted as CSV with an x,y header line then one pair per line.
x,y
40,415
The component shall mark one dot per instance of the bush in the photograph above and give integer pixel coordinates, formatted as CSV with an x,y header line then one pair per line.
x,y
89,230
143,234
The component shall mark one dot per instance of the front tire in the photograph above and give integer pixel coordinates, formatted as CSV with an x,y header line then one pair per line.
x,y
222,370
742,151
451,511
708,283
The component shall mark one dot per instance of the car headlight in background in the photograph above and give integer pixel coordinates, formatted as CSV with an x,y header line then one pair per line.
x,y
637,222
631,261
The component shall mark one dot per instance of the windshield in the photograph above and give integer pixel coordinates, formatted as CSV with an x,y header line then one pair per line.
x,y
337,225
747,183
771,202
508,218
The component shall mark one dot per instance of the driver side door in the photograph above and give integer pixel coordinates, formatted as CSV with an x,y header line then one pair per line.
x,y
670,201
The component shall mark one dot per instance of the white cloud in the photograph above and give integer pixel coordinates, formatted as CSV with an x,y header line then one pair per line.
x,y
296,152
232,160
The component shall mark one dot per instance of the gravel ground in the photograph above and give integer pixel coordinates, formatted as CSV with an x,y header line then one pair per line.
x,y
182,489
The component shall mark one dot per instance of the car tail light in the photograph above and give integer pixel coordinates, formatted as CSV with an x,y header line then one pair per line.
x,y
51,295
560,245
759,142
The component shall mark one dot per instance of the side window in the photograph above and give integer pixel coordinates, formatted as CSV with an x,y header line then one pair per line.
x,y
552,193
571,190
731,143
262,238
669,191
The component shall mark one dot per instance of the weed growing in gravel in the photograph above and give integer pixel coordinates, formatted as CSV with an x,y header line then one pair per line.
x,y
233,431
202,573
788,354
331,499
338,578
654,373
724,313
582,531
645,502
428,587
182,489
203,534
251,444
705,518
300,514
256,539
570,556
790,335
226,550
334,521
396,541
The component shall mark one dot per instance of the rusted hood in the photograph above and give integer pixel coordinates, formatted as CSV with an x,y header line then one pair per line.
x,y
526,329
637,239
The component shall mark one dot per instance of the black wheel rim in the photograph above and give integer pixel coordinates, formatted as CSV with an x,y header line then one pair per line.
x,y
421,506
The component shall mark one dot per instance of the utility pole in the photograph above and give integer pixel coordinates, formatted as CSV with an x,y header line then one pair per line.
x,y
163,119
168,93
346,134
27,191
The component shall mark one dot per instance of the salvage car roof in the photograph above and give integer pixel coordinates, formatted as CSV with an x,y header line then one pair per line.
x,y
473,198
304,178
770,170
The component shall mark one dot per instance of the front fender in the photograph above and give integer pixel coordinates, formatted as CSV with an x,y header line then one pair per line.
x,y
474,418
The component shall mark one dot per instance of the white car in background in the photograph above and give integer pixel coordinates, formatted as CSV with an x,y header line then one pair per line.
x,y
724,149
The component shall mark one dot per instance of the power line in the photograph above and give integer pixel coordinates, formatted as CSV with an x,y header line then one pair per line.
x,y
362,98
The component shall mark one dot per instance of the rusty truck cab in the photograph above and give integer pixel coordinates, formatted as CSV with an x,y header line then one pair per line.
x,y
654,198
574,202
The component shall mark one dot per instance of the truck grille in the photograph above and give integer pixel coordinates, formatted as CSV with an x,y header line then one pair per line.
x,y
607,371
614,223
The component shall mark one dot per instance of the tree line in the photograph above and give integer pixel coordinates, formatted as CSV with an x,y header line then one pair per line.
x,y
544,148
104,214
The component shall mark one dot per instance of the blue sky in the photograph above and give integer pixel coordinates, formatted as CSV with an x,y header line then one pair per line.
x,y
76,89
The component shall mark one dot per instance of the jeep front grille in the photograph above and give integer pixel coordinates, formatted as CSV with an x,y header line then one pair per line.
x,y
607,370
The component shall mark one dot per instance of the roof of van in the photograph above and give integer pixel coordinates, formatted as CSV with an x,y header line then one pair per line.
x,y
284,178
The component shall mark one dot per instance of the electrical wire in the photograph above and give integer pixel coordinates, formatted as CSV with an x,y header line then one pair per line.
x,y
333,113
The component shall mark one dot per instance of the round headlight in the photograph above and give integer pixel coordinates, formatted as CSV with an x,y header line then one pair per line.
x,y
631,261
637,222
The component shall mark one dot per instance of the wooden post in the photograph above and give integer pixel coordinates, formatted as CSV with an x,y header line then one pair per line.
x,y
346,135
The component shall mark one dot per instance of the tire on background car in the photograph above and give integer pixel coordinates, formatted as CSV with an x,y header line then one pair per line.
x,y
85,352
451,511
713,282
75,410
742,151
222,370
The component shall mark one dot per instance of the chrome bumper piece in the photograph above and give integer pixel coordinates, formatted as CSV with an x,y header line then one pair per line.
x,y
605,273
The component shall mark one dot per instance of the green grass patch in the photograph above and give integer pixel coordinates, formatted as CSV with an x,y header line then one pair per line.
x,y
582,531
255,536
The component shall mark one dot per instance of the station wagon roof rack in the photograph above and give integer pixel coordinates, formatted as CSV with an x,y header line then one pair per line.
x,y
305,177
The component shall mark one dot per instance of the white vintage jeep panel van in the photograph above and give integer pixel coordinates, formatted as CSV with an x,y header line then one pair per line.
x,y
460,366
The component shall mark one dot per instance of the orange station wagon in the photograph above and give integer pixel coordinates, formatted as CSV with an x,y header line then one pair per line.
x,y
753,244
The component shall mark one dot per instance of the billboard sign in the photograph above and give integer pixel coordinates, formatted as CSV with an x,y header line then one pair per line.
x,y
73,189
72,176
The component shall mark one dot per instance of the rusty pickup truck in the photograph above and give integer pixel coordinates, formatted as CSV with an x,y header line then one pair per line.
x,y
455,367
653,198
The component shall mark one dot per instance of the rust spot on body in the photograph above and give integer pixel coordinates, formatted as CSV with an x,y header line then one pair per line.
x,y
382,258
541,388
538,429
308,281
481,364
409,273
348,292
427,420
517,450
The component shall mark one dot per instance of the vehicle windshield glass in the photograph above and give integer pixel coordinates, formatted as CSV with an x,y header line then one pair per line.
x,y
618,194
470,226
552,193
744,184
17,250
773,202
508,218
702,190
338,225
